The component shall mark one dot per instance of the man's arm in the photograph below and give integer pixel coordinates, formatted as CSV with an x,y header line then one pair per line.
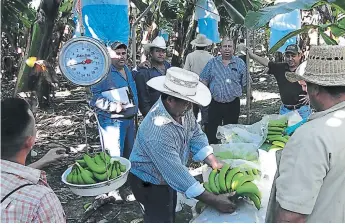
x,y
164,155
261,60
187,65
51,156
305,161
200,148
205,75
143,91
285,216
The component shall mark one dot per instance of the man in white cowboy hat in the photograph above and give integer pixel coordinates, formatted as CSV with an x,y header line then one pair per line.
x,y
196,61
165,139
291,94
314,156
157,66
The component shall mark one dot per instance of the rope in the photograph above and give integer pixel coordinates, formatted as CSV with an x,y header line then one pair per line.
x,y
80,17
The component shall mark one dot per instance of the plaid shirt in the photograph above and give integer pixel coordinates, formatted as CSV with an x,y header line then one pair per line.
x,y
33,203
225,82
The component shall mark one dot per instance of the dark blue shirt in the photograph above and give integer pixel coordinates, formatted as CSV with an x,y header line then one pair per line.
x,y
114,80
147,96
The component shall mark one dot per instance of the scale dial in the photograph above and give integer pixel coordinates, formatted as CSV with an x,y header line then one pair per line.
x,y
84,61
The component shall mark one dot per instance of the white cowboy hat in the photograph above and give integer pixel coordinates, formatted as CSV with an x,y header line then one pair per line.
x,y
158,42
182,84
201,41
325,66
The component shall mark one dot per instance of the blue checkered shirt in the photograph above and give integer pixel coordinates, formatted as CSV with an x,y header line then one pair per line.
x,y
225,82
162,147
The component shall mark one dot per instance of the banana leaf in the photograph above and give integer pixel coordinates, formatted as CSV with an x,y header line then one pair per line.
x,y
258,19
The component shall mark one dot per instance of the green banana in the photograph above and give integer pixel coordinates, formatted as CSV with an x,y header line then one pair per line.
x,y
93,166
287,137
275,147
99,161
229,177
118,168
250,172
274,133
81,162
69,177
242,180
235,179
216,181
280,144
273,136
279,129
75,177
85,176
114,173
105,157
255,171
101,177
207,187
254,199
122,168
280,138
89,172
211,181
249,187
80,179
221,177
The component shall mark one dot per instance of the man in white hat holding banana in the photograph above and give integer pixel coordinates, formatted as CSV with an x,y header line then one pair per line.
x,y
157,66
165,139
311,173
196,62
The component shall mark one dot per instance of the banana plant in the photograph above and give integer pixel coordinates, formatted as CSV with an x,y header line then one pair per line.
x,y
260,18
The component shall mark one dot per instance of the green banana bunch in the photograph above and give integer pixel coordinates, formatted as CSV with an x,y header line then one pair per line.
x,y
99,168
228,180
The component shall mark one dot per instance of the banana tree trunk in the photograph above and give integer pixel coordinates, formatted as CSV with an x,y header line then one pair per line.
x,y
38,46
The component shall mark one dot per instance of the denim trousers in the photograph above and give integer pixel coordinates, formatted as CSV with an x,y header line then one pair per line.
x,y
117,135
303,111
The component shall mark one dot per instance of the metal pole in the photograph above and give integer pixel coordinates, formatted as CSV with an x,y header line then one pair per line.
x,y
249,87
134,26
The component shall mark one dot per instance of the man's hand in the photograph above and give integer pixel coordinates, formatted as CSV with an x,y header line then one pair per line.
x,y
52,156
116,107
212,161
145,64
224,203
249,51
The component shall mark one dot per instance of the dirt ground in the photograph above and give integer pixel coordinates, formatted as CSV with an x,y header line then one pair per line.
x,y
63,126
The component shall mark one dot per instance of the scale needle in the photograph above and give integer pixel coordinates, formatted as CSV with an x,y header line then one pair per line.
x,y
87,61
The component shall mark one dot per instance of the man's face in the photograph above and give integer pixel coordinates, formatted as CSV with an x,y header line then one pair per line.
x,y
120,57
179,107
227,48
293,59
314,96
158,54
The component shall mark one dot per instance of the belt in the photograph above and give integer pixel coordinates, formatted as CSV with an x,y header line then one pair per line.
x,y
294,107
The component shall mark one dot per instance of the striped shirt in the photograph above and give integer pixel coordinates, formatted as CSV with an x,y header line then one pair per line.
x,y
225,82
161,150
33,203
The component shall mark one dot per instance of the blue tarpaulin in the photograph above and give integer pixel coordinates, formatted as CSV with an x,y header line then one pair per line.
x,y
209,27
283,24
105,20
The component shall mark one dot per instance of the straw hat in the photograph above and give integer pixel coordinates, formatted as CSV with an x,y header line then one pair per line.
x,y
325,66
201,41
158,42
182,84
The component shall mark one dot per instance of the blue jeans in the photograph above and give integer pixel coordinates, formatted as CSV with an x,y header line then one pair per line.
x,y
118,135
304,111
